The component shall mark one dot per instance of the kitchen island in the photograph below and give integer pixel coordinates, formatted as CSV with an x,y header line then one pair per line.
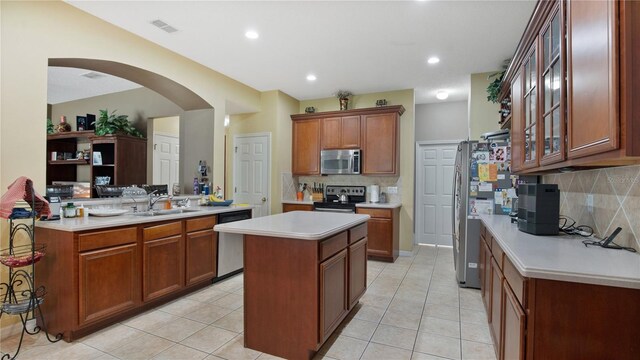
x,y
101,270
304,272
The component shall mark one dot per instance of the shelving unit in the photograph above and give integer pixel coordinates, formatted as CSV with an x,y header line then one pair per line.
x,y
65,170
19,296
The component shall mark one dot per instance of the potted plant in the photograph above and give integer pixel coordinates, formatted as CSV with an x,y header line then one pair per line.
x,y
343,97
114,124
494,87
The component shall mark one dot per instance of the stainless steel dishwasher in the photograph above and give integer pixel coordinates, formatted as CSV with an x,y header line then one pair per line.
x,y
230,246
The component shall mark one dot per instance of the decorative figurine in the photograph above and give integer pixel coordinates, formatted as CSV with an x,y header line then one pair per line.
x,y
64,125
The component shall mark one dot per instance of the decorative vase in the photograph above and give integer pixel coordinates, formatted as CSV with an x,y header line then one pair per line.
x,y
63,126
344,104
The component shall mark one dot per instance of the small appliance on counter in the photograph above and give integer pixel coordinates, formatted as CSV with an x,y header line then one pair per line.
x,y
375,193
539,209
54,206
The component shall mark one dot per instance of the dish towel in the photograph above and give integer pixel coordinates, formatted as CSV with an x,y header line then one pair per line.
x,y
22,190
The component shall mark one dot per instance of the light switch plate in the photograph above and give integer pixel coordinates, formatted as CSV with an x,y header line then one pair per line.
x,y
392,189
590,203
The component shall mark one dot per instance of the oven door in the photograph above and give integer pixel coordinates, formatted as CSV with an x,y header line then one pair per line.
x,y
334,210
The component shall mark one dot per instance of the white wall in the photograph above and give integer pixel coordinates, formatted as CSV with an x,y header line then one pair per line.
x,y
442,121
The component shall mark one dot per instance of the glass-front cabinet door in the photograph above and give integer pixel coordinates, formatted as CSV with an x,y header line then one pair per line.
x,y
530,101
552,95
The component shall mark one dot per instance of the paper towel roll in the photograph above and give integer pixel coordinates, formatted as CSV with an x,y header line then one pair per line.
x,y
375,193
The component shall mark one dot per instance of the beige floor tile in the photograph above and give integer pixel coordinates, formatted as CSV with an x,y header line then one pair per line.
x,y
379,301
344,348
230,285
416,282
442,299
420,356
411,306
150,320
235,349
476,332
232,322
471,302
405,320
410,292
369,313
359,329
477,351
181,352
213,357
433,344
442,312
440,326
208,313
394,336
378,351
106,357
378,289
473,316
145,347
178,330
231,301
209,339
449,290
112,338
208,294
35,351
264,356
77,351
181,307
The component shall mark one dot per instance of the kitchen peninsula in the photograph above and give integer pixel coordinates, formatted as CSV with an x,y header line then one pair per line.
x,y
101,270
304,272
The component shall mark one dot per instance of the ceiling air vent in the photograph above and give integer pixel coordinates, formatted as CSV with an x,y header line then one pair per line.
x,y
93,75
163,26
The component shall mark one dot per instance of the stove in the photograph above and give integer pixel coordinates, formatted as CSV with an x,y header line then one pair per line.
x,y
356,194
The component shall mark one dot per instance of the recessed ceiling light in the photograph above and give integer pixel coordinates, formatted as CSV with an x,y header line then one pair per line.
x,y
163,26
252,34
433,60
311,77
441,95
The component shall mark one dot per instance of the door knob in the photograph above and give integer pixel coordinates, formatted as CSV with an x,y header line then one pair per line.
x,y
264,199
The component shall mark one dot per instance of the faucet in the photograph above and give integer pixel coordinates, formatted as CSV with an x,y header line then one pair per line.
x,y
153,201
135,206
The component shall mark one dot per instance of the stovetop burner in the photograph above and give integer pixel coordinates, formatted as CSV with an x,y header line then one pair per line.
x,y
356,194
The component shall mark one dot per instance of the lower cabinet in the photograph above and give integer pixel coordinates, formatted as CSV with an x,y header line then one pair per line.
x,y
333,293
496,305
108,282
201,250
296,207
162,260
357,271
384,233
514,326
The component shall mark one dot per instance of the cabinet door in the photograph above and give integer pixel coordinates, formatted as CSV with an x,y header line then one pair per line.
x,y
592,75
109,282
162,267
496,304
296,207
481,257
357,271
486,292
306,147
350,132
530,102
331,137
380,237
202,255
514,326
517,129
333,293
552,91
380,139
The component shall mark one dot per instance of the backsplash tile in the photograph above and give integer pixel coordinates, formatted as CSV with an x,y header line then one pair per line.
x,y
351,180
616,200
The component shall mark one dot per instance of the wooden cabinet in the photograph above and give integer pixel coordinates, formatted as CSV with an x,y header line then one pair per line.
x,y
124,159
380,135
376,131
162,260
333,293
65,170
341,132
296,207
496,305
305,156
357,271
586,83
485,273
201,250
384,233
514,324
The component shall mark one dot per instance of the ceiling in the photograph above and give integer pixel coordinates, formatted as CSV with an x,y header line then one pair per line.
x,y
361,46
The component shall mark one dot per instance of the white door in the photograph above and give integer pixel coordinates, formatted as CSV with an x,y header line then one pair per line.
x,y
166,159
434,186
251,166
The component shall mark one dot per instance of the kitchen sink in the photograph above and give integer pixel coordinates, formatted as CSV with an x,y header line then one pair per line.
x,y
158,212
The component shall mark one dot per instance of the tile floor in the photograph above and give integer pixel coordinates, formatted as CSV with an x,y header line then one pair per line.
x,y
412,309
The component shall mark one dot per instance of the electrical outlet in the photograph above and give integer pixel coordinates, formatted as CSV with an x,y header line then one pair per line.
x,y
392,189
590,203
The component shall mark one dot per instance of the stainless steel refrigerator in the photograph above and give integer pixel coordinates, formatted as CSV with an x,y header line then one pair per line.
x,y
482,184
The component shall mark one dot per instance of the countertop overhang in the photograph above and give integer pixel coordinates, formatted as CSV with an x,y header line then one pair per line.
x,y
301,225
563,257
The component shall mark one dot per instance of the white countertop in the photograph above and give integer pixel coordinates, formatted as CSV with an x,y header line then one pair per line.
x,y
389,205
298,202
97,222
564,257
302,225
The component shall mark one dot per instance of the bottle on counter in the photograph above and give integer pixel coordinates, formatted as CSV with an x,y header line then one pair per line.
x,y
206,189
196,186
70,210
80,211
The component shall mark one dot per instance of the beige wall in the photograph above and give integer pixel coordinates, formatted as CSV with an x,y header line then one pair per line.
x,y
442,121
407,141
483,114
167,125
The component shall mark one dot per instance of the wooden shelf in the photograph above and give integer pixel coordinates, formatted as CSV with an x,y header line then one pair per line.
x,y
69,162
71,134
506,124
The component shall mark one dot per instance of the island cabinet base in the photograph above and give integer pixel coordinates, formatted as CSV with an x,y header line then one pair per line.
x,y
297,292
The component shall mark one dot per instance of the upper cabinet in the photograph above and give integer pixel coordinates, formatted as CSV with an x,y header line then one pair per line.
x,y
373,130
571,84
341,132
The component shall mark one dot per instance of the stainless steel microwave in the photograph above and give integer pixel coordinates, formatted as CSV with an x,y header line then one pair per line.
x,y
343,162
